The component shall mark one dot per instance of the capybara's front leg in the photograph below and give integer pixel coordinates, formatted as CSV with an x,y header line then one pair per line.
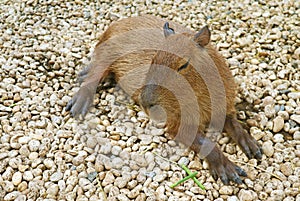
x,y
83,99
220,166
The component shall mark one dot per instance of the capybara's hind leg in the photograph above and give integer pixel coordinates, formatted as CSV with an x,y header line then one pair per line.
x,y
245,141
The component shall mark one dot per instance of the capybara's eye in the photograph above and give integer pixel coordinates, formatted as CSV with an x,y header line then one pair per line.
x,y
183,66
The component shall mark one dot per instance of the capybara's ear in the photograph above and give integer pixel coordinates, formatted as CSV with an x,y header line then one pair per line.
x,y
203,36
167,30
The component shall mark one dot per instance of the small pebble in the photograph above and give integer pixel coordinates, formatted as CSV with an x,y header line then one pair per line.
x,y
17,178
56,176
278,124
295,118
268,148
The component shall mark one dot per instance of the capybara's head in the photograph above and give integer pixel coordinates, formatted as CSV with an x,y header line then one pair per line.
x,y
178,66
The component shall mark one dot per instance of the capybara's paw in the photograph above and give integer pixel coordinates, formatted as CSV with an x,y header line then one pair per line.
x,y
227,171
245,141
80,103
250,146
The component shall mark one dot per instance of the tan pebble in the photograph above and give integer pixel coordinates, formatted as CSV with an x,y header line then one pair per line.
x,y
284,115
24,151
33,155
226,190
196,165
22,186
252,122
278,124
287,168
22,168
135,192
115,137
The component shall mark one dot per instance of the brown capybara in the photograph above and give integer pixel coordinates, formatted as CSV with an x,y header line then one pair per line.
x,y
177,77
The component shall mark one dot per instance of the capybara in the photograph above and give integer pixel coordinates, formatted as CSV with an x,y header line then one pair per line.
x,y
177,77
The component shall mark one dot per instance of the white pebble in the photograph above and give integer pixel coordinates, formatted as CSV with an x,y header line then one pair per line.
x,y
117,163
16,178
268,148
109,179
8,186
56,176
226,190
296,118
34,145
11,196
24,139
278,138
232,198
294,95
247,195
52,191
296,135
28,176
84,183
61,185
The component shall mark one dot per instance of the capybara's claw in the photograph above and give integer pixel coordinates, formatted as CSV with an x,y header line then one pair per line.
x,y
80,103
221,167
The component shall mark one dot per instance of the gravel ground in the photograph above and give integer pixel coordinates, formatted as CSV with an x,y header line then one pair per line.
x,y
45,155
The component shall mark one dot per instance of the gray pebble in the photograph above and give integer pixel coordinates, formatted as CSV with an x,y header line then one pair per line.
x,y
117,163
105,149
184,161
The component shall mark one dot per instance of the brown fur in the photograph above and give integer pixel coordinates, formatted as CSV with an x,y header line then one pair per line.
x,y
132,49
